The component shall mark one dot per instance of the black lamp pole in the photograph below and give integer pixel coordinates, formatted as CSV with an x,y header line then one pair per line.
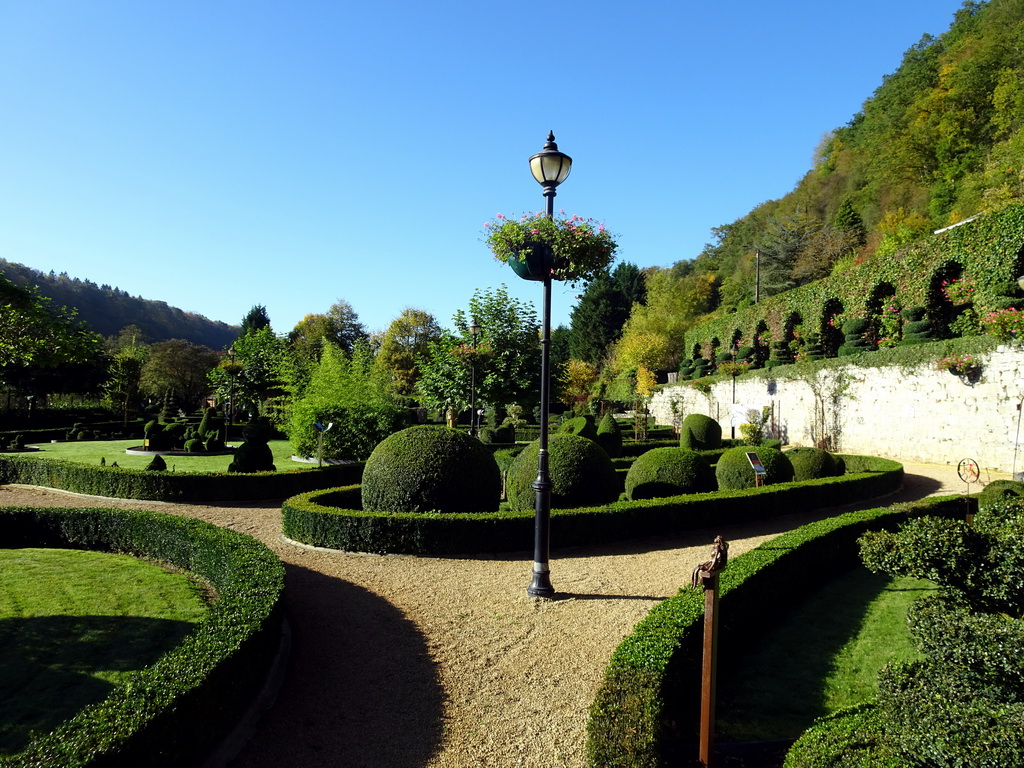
x,y
550,168
474,331
733,349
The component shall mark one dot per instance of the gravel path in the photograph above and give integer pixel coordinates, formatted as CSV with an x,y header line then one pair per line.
x,y
408,662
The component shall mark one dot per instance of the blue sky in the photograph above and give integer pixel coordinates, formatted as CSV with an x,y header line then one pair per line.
x,y
221,154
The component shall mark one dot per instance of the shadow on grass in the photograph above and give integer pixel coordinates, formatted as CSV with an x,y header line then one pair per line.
x,y
48,665
361,688
772,687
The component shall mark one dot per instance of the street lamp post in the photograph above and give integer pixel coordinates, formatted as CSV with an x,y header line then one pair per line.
x,y
229,410
474,331
550,168
733,350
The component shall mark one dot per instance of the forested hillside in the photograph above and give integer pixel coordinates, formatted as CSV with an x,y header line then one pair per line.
x,y
107,310
939,141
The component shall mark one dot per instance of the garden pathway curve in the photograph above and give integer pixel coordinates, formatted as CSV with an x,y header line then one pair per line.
x,y
408,662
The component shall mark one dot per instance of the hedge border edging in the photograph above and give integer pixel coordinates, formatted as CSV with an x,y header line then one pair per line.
x,y
649,699
126,483
341,524
174,711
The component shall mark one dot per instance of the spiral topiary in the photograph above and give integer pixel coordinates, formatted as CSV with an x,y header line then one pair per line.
x,y
669,472
579,425
811,463
734,472
431,468
582,474
700,433
609,436
854,337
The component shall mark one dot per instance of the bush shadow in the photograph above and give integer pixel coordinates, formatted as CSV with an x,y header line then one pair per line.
x,y
49,661
360,690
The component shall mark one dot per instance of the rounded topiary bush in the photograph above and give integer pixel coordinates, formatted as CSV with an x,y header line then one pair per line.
x,y
811,463
734,472
579,425
431,468
582,474
195,445
998,490
609,436
700,433
669,472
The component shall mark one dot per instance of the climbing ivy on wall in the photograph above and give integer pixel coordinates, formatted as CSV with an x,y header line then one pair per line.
x,y
987,253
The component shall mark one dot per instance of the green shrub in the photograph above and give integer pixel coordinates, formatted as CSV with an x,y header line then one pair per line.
x,y
334,518
998,490
254,455
669,472
343,391
579,425
609,436
501,435
840,463
175,433
157,464
582,474
431,468
851,738
734,471
195,445
700,433
811,463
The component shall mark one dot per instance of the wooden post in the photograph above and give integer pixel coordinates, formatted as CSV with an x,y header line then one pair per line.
x,y
707,694
706,575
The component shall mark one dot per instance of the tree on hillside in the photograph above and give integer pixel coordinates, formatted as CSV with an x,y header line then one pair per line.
x,y
43,349
604,307
255,319
255,378
403,344
178,369
511,328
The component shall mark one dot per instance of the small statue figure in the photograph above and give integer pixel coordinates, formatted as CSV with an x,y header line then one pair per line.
x,y
719,557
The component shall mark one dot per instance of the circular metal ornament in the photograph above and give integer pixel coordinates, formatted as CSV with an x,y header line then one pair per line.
x,y
968,471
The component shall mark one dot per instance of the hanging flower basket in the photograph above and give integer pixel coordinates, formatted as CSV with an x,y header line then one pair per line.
x,y
535,262
963,366
572,249
467,354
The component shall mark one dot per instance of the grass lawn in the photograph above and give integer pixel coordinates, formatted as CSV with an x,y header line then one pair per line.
x,y
91,451
75,623
824,656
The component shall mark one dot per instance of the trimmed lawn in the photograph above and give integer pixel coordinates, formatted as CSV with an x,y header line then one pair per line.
x,y
91,451
75,623
825,655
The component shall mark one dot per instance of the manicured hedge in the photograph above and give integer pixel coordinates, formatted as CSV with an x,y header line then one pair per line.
x,y
333,518
648,703
173,712
124,483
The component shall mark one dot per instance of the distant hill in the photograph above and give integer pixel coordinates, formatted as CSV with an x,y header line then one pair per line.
x,y
107,310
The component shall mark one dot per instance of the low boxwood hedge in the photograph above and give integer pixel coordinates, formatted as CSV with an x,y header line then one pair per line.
x,y
649,701
333,518
173,712
124,483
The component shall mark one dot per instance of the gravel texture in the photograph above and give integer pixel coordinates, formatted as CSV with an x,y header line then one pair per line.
x,y
407,662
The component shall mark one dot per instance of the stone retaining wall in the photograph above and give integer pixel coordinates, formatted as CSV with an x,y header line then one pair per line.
x,y
916,414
